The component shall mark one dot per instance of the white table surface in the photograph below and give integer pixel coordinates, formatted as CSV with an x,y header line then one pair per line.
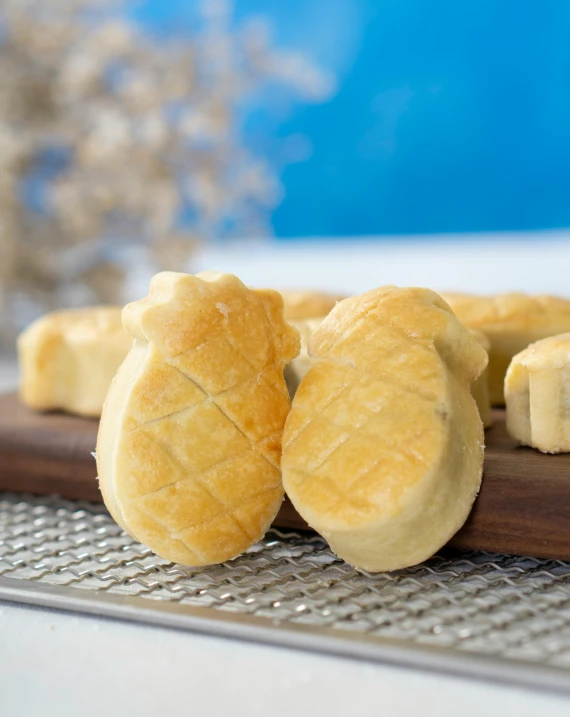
x,y
60,664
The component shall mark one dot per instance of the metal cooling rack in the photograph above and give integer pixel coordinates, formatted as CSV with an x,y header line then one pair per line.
x,y
476,613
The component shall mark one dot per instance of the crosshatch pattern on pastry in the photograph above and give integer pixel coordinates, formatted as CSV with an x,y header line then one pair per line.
x,y
217,448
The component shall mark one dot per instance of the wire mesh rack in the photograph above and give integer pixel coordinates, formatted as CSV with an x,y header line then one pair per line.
x,y
489,615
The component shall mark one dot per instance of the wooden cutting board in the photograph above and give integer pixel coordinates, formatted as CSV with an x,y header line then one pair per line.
x,y
523,507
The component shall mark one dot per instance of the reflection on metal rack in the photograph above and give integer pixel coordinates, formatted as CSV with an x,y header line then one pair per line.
x,y
483,604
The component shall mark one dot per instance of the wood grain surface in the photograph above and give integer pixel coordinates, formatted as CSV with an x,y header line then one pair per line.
x,y
523,507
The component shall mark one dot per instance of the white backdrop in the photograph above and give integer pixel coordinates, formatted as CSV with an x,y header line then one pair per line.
x,y
534,262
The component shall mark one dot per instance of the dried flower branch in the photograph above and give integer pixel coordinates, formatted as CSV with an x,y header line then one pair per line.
x,y
110,138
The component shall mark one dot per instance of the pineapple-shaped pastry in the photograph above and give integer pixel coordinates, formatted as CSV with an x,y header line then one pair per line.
x,y
383,448
189,445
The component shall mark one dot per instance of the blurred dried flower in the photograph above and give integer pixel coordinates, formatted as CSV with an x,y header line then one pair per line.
x,y
110,138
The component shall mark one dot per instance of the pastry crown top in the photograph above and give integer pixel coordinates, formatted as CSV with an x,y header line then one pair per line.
x,y
183,311
419,315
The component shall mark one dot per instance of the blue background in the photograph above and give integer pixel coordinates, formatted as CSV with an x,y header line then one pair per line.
x,y
449,115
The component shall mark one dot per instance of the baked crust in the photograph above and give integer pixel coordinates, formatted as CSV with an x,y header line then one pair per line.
x,y
189,443
511,322
308,304
68,359
383,447
296,370
537,392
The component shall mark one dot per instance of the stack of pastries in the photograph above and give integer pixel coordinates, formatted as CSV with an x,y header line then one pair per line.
x,y
368,411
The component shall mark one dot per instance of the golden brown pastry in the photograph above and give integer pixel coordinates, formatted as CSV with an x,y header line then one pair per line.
x,y
511,322
537,393
383,447
480,387
308,304
68,359
299,366
190,438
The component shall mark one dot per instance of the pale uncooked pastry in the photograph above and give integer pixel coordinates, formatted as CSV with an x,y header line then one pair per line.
x,y
189,444
537,393
308,304
299,366
383,447
480,387
511,322
68,359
